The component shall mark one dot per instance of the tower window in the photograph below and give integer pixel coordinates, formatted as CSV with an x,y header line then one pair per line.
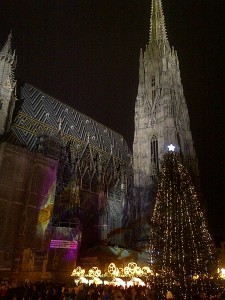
x,y
1,104
153,94
173,110
153,87
153,81
154,156
174,95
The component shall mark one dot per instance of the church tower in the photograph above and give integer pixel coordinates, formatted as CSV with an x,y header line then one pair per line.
x,y
7,85
161,114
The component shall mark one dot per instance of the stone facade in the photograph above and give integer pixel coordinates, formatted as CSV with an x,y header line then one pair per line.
x,y
161,114
7,86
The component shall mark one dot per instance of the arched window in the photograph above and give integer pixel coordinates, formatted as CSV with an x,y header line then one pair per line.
x,y
154,156
153,87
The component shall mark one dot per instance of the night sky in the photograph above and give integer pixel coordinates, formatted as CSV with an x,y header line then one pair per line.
x,y
86,54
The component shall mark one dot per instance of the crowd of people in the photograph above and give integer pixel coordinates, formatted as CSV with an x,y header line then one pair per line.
x,y
53,291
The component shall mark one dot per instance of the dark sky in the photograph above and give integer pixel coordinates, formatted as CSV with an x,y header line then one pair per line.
x,y
86,54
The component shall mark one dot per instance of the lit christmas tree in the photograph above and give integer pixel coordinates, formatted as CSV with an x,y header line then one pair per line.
x,y
181,248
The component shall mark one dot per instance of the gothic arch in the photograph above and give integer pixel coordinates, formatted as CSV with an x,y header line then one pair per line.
x,y
154,151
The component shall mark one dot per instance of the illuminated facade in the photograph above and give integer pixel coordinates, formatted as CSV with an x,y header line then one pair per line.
x,y
7,86
63,177
161,114
75,175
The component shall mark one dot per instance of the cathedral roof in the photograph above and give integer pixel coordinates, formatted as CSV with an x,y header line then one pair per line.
x,y
37,113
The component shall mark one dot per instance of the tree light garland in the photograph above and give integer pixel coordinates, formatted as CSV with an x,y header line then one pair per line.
x,y
181,245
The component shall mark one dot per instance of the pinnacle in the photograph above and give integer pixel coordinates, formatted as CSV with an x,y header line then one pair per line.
x,y
157,23
8,63
7,48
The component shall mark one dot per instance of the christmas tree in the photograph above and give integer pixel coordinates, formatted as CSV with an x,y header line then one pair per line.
x,y
181,247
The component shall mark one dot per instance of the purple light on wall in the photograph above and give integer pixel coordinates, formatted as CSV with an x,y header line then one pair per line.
x,y
70,255
63,244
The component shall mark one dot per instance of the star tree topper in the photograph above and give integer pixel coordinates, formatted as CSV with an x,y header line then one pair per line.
x,y
171,147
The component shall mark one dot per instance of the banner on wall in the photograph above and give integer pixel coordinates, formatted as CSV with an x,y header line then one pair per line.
x,y
63,244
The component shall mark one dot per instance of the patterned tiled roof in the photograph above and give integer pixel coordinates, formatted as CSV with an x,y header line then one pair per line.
x,y
38,113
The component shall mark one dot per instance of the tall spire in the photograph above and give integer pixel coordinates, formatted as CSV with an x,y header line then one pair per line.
x,y
7,85
7,48
159,109
7,62
157,23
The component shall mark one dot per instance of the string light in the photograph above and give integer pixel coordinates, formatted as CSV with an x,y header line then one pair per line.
x,y
78,272
132,270
181,245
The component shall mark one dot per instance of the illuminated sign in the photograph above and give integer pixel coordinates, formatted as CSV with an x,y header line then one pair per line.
x,y
63,244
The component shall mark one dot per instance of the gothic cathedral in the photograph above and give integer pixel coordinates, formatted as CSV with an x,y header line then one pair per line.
x,y
161,114
66,177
